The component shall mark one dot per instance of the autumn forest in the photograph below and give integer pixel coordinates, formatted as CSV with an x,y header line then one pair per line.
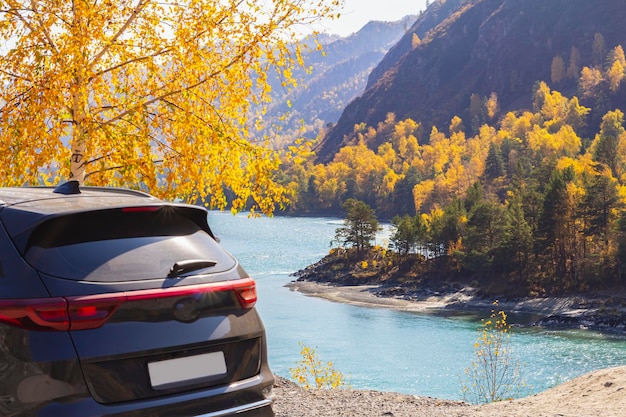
x,y
532,200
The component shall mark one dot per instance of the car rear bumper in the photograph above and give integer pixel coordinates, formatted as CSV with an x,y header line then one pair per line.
x,y
258,409
249,398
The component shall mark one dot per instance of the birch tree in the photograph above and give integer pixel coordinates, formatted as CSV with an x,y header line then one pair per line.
x,y
149,94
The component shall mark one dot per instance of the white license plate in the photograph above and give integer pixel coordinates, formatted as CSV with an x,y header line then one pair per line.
x,y
173,371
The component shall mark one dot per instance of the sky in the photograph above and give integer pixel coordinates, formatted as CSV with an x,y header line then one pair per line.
x,y
356,13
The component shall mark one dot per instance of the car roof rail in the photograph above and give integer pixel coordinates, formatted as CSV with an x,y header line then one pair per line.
x,y
117,190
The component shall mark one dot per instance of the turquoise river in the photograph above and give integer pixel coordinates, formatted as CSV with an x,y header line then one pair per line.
x,y
384,349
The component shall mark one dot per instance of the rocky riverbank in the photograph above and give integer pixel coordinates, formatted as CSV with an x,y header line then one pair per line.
x,y
598,314
599,311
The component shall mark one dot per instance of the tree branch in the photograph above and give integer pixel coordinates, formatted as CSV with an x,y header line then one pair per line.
x,y
43,28
140,5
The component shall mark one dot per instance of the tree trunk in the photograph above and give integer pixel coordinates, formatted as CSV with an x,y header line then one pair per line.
x,y
78,144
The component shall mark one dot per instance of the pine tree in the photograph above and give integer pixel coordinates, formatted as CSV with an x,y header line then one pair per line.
x,y
404,236
359,228
494,165
518,238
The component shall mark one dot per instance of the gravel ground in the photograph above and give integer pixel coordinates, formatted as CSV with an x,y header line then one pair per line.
x,y
597,394
293,401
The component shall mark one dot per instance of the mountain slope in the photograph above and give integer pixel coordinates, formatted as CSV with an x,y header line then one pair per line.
x,y
436,13
501,46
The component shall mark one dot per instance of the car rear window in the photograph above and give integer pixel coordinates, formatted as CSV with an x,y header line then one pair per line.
x,y
122,245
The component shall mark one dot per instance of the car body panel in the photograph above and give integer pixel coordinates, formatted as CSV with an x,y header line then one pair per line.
x,y
117,327
17,279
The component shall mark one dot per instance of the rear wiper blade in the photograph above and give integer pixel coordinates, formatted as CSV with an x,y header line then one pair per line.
x,y
183,267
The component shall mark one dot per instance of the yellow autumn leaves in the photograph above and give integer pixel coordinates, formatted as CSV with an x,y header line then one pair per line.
x,y
146,94
311,373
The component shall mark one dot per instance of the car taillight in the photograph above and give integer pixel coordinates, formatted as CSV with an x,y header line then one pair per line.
x,y
92,311
247,296
36,314
145,209
72,313
245,290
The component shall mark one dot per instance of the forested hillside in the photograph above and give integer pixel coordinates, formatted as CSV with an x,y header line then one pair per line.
x,y
487,46
528,198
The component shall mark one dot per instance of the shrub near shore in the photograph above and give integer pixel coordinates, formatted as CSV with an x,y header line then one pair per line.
x,y
493,375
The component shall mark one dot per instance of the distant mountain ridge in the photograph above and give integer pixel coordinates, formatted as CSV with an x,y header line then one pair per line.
x,y
478,47
339,74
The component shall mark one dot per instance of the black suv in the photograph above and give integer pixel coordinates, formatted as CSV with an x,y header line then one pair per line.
x,y
115,303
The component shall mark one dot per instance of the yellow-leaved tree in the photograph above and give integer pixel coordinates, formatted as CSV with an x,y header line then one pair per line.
x,y
149,94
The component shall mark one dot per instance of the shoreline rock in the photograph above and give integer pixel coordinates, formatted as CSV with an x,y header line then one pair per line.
x,y
599,311
573,312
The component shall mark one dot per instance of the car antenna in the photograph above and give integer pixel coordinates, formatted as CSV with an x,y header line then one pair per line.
x,y
68,188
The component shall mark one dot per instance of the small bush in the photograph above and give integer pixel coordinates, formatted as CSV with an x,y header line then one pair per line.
x,y
493,374
311,373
